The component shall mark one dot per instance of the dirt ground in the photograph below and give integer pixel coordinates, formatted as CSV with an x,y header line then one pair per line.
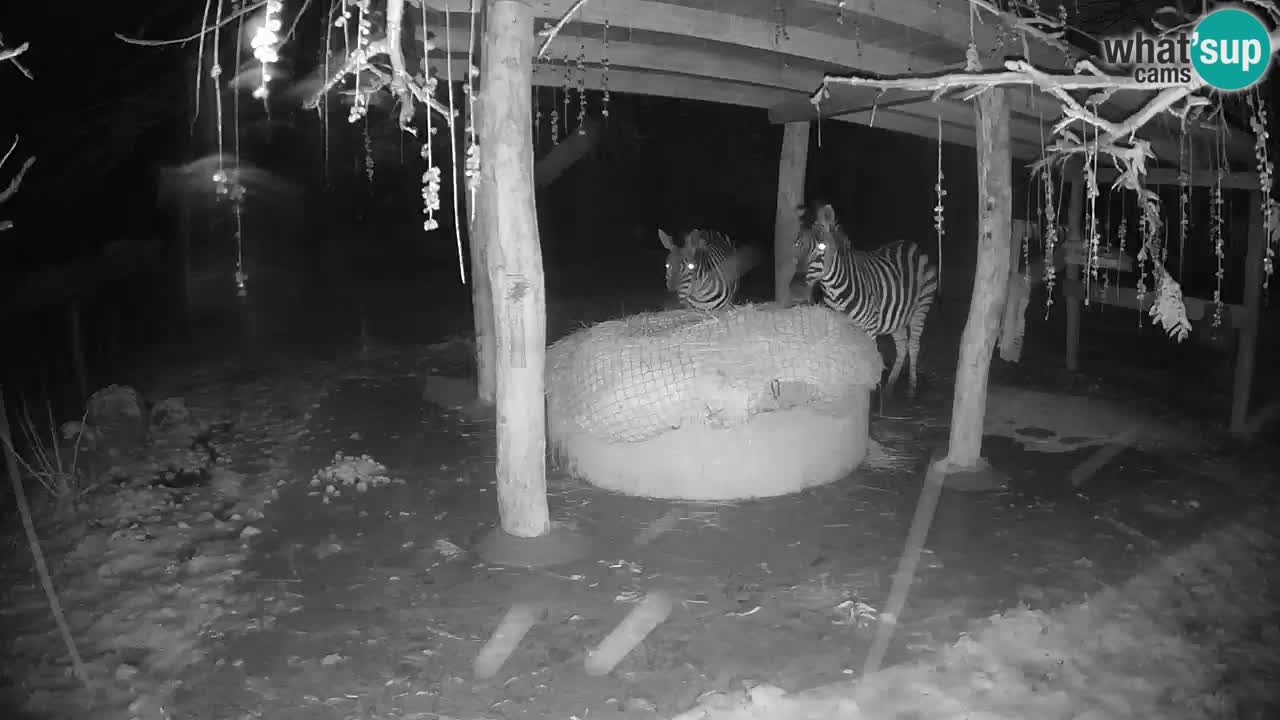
x,y
257,591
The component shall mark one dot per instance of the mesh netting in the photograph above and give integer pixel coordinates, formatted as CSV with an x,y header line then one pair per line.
x,y
635,378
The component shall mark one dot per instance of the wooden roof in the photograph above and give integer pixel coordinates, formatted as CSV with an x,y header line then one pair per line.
x,y
773,54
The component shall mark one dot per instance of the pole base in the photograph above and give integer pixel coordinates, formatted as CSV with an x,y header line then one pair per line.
x,y
560,546
981,477
457,394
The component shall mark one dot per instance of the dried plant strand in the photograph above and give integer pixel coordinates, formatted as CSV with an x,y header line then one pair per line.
x,y
10,54
940,192
430,176
37,554
1266,175
604,75
204,30
473,148
220,180
582,89
400,79
266,43
549,33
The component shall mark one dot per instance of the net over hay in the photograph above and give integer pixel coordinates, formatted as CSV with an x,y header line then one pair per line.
x,y
750,401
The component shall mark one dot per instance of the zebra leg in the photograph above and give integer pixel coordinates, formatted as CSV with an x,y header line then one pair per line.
x,y
899,355
916,326
913,362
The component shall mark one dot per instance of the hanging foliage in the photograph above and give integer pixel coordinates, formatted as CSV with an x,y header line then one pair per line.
x,y
1118,141
10,55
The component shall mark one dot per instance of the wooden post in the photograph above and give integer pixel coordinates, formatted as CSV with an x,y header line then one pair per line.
x,y
1246,354
77,350
995,217
1072,288
514,262
793,162
481,292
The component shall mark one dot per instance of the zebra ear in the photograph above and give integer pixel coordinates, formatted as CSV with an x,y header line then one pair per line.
x,y
825,217
696,240
665,239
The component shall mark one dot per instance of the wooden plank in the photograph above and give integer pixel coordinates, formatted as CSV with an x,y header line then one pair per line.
x,y
1026,111
1198,178
641,82
1023,132
1198,309
956,128
948,20
1023,102
759,69
940,19
721,27
651,83
1246,359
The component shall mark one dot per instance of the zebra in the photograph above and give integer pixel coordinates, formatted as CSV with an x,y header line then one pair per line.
x,y
888,291
703,272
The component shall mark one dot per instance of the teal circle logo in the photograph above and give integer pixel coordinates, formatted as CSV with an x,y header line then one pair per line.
x,y
1231,49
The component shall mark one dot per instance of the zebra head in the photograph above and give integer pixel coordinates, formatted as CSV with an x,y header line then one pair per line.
x,y
680,265
683,260
817,243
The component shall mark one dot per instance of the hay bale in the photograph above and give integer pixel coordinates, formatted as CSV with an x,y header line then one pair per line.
x,y
749,401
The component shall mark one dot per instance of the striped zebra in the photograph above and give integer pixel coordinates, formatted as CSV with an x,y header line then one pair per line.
x,y
703,272
888,291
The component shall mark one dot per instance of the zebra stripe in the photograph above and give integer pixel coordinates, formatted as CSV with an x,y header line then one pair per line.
x,y
888,291
696,269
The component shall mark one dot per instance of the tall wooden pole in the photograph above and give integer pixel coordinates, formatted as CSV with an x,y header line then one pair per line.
x,y
995,217
1246,353
1072,288
514,262
793,162
479,237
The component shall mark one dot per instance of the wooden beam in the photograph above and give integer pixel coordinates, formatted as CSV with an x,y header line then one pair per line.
x,y
1198,309
1024,134
859,108
514,264
739,66
942,19
1246,353
1198,178
955,128
793,162
1023,103
995,221
651,83
719,27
